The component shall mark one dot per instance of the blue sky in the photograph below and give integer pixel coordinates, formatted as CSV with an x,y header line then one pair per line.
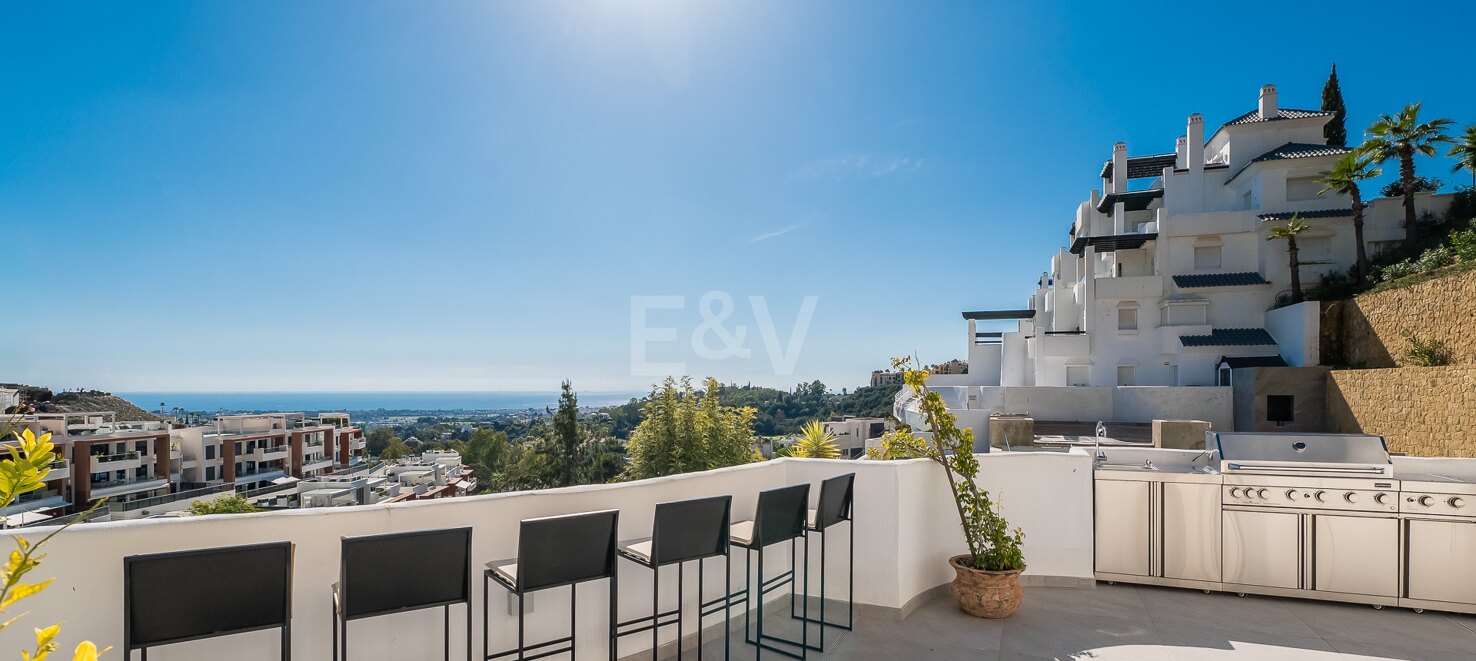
x,y
467,196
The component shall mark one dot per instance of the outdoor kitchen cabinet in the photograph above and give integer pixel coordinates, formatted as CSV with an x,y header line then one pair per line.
x,y
1161,529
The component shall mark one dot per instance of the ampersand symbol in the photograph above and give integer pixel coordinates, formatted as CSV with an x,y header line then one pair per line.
x,y
712,322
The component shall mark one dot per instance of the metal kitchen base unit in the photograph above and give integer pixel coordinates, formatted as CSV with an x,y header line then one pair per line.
x,y
1161,581
1316,595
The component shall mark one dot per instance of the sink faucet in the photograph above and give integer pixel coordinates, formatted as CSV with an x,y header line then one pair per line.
x,y
1098,458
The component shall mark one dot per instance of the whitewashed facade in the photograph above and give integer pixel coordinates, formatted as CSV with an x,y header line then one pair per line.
x,y
1168,267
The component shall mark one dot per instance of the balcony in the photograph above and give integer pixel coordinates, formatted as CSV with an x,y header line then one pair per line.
x,y
316,464
41,499
1128,287
61,469
1062,344
268,453
115,462
260,474
113,488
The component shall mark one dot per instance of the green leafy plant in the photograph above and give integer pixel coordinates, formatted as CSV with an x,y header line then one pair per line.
x,y
681,432
228,504
22,472
992,544
815,442
1426,353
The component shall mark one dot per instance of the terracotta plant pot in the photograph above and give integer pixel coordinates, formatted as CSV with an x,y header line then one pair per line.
x,y
991,594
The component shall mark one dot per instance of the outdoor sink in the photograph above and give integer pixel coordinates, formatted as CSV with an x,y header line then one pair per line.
x,y
1126,467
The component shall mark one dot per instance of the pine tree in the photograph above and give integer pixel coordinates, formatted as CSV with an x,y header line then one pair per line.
x,y
567,434
1332,101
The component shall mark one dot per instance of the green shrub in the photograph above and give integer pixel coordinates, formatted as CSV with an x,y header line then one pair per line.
x,y
1463,244
228,504
1426,353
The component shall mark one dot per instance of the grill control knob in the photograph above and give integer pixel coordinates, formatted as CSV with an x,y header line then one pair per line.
x,y
1234,492
1350,497
1321,496
1457,502
1261,493
1381,498
1426,501
1291,494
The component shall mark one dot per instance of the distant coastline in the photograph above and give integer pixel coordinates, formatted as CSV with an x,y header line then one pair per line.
x,y
365,401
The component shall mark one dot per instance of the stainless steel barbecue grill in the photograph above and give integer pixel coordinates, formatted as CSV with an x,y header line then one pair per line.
x,y
1310,515
1309,455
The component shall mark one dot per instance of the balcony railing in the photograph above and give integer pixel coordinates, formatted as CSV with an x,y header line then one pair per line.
x,y
100,459
156,501
117,487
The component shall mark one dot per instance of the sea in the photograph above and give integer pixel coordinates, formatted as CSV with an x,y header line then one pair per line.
x,y
364,400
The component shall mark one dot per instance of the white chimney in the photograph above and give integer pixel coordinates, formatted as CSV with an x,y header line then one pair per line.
x,y
1181,152
1194,153
1119,167
1268,102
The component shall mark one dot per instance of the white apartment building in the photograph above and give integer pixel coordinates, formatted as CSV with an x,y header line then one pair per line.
x,y
255,450
852,433
1168,267
98,457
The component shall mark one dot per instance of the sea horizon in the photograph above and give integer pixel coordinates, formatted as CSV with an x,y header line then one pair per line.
x,y
365,400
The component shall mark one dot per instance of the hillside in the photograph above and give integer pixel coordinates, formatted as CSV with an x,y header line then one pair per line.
x,y
45,401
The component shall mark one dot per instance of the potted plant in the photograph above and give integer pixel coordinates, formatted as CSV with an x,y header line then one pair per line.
x,y
987,581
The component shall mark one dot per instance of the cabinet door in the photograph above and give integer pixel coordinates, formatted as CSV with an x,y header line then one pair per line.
x,y
1442,561
1122,516
1262,548
1191,531
1356,554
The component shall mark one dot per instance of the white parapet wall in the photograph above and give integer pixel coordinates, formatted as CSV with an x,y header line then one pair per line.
x,y
1297,333
973,404
906,529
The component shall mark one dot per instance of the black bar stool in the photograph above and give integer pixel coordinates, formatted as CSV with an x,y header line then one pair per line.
x,y
553,552
836,496
171,597
683,531
780,518
375,579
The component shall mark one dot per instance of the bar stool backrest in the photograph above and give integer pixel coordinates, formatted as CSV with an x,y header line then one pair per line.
x,y
690,529
835,500
190,595
563,550
404,571
781,514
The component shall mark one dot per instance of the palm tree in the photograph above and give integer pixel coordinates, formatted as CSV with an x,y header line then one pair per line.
x,y
1402,136
1464,152
1289,232
1343,178
815,442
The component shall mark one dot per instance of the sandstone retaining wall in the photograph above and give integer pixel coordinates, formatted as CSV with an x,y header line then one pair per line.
x,y
1420,411
1373,326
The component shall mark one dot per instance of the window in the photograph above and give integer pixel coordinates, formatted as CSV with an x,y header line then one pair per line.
x,y
1126,375
1127,317
210,452
1206,258
1078,375
1224,376
1279,408
209,473
1302,188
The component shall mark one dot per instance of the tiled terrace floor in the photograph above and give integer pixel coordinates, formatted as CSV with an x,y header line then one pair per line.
x,y
1153,624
